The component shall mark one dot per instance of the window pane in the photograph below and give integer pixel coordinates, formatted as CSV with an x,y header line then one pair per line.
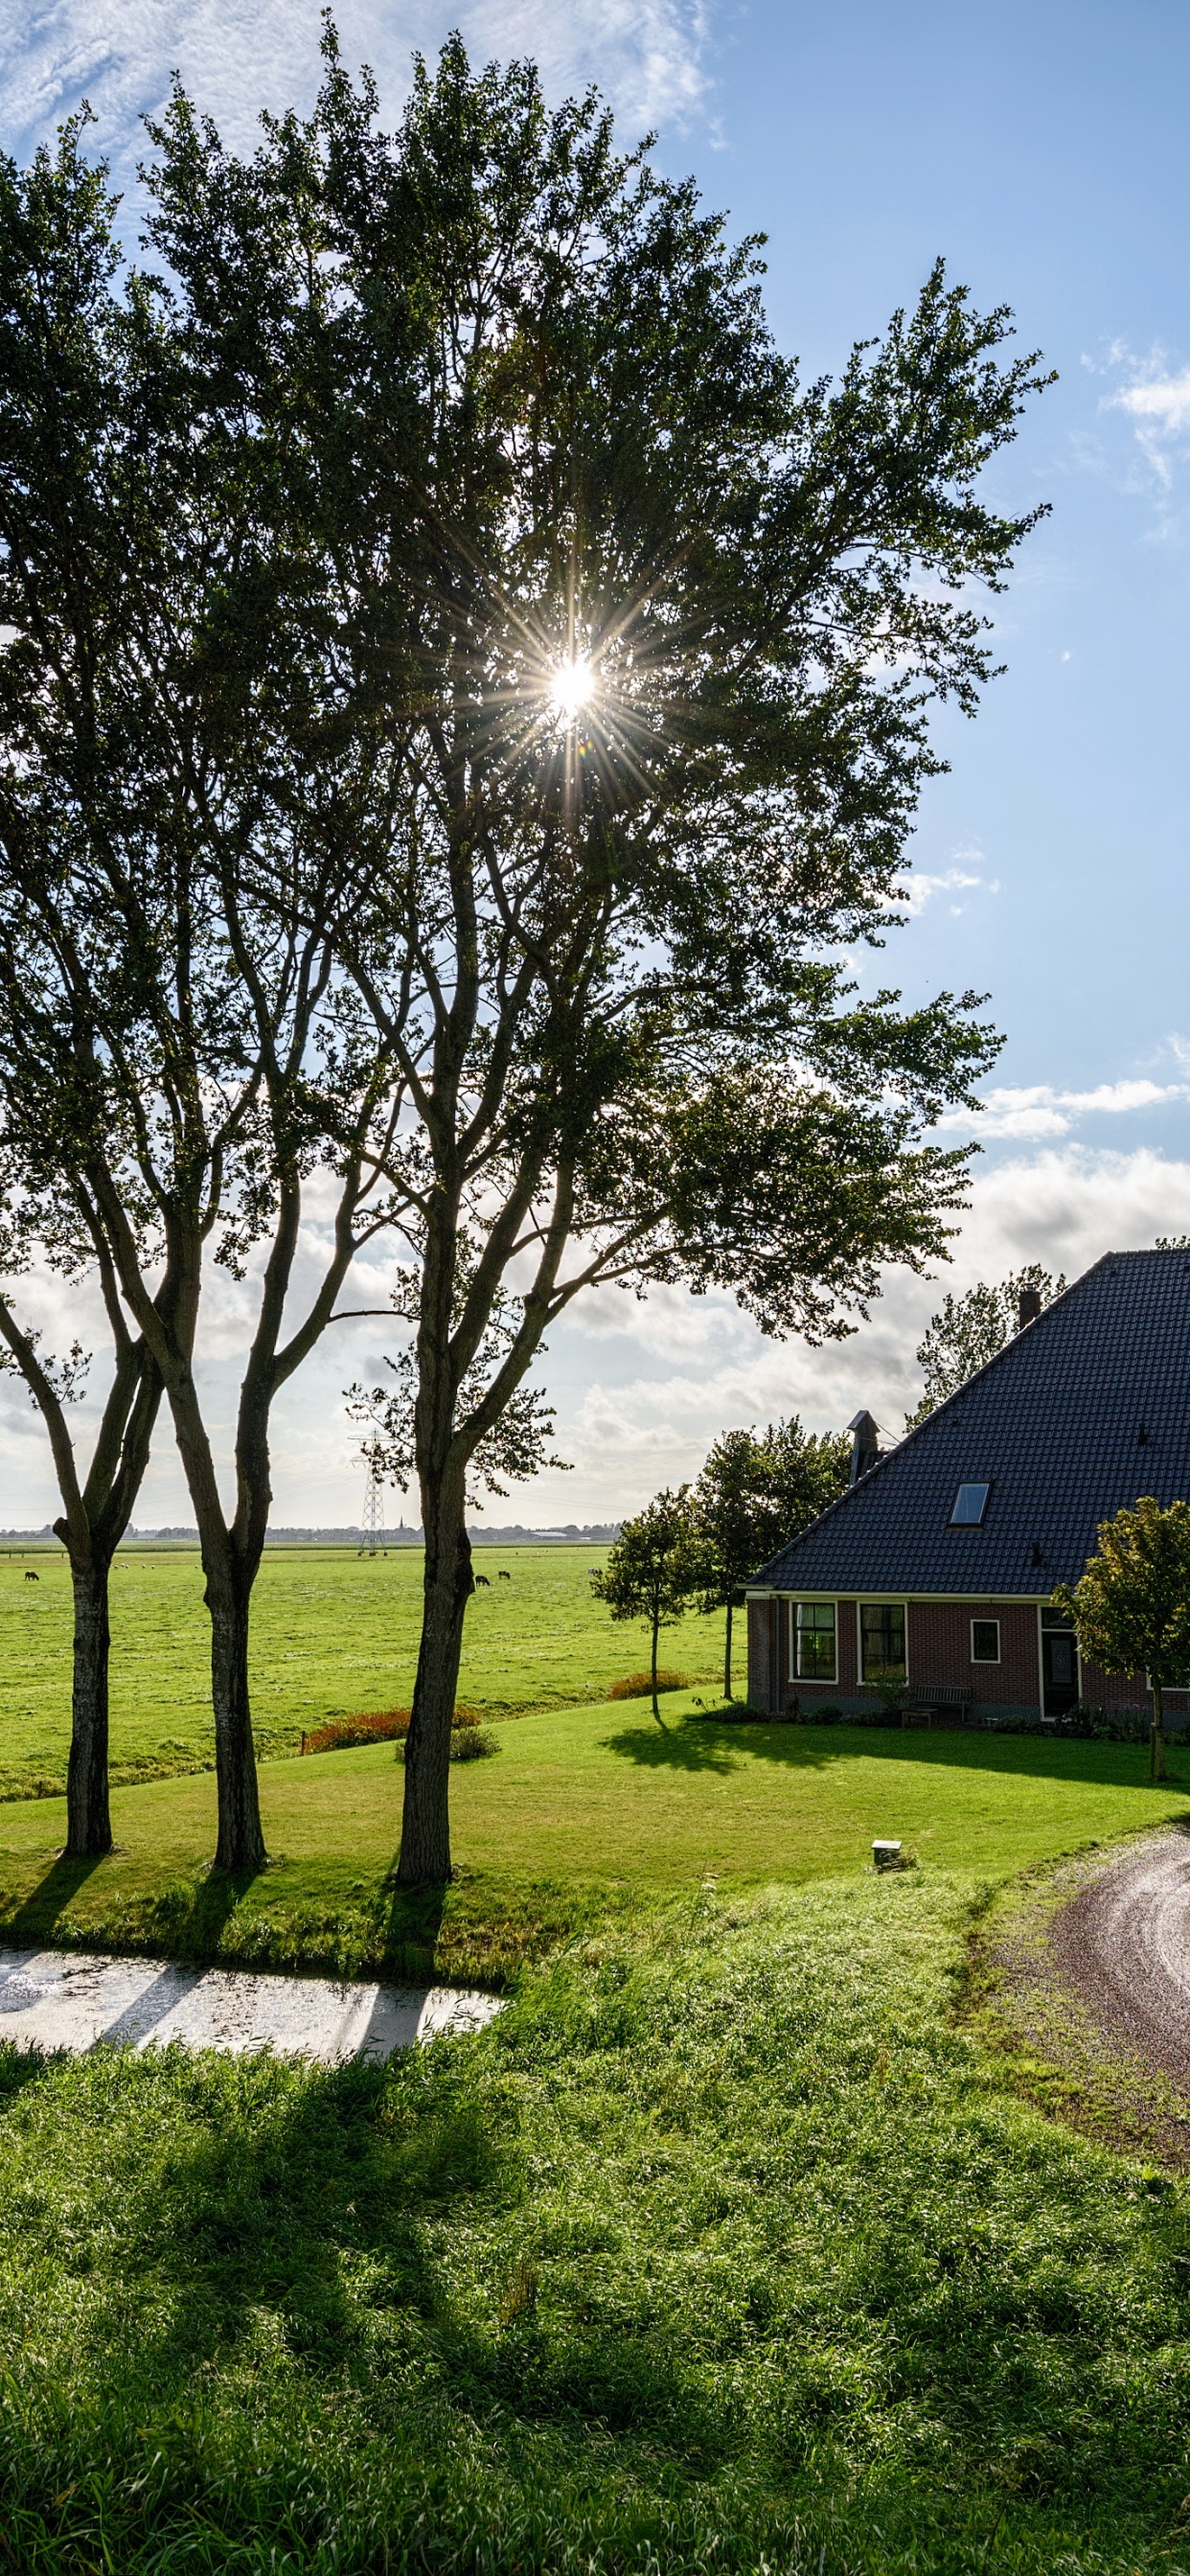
x,y
970,1503
816,1641
985,1641
882,1626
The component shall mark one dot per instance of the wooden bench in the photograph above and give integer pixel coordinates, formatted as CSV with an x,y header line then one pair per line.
x,y
936,1701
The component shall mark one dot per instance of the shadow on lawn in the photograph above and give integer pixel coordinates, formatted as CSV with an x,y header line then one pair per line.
x,y
723,1745
35,1919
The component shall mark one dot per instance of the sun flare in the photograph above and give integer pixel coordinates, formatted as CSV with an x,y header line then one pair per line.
x,y
572,686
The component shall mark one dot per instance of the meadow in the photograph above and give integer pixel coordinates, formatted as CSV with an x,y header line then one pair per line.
x,y
333,1633
732,2248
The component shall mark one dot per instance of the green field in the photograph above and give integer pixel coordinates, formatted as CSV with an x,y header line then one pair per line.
x,y
581,1815
332,1633
731,2249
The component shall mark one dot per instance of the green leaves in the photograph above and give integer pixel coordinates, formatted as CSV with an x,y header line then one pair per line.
x,y
1131,1605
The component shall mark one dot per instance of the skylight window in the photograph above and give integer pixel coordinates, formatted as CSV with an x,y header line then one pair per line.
x,y
970,1504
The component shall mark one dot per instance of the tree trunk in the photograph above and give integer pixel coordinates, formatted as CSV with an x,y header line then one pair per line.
x,y
727,1655
1157,1737
241,1839
425,1825
653,1665
88,1819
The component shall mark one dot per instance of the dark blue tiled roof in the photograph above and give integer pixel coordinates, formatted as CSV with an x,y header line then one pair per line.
x,y
1053,1423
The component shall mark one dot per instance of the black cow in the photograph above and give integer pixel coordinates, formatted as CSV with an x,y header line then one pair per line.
x,y
482,1578
30,1576
504,1578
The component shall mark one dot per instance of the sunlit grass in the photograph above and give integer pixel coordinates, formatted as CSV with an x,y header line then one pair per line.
x,y
723,2250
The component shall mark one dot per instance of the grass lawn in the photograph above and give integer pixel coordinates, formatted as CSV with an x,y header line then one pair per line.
x,y
723,2251
581,1815
333,1632
727,2251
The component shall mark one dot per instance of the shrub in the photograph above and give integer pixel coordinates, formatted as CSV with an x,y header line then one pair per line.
x,y
639,1685
382,1725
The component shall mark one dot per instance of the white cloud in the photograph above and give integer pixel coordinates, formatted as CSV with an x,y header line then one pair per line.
x,y
920,889
237,56
641,1390
1157,401
1037,1110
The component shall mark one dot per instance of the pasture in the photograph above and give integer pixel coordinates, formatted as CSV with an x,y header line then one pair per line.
x,y
583,1816
333,1632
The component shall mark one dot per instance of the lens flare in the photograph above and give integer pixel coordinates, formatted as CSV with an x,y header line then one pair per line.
x,y
572,687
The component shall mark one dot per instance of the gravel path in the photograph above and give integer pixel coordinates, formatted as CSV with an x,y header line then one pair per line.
x,y
72,1999
1124,1944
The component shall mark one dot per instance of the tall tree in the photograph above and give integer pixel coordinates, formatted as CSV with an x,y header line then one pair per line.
x,y
753,1494
1131,1604
177,1055
658,631
653,1570
968,1331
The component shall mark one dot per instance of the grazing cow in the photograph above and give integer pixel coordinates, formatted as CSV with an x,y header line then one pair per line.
x,y
485,1580
504,1578
594,1569
30,1576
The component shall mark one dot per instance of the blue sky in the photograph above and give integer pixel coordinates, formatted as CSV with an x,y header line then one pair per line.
x,y
1042,152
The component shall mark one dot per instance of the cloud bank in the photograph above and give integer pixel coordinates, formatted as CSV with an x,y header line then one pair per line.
x,y
237,56
641,1389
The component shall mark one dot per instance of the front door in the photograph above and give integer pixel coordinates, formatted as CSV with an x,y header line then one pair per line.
x,y
1059,1665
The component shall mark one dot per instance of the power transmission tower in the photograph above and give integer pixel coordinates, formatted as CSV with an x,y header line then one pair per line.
x,y
375,1534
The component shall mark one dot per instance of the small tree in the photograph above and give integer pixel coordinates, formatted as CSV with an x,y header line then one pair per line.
x,y
653,1569
1131,1605
754,1494
968,1331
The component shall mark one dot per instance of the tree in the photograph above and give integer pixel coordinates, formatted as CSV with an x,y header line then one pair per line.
x,y
175,1065
651,634
96,1506
653,1570
1131,1604
752,1495
968,1331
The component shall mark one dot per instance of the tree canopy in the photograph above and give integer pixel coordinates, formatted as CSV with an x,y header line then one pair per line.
x,y
1131,1604
755,1492
653,1569
968,1331
523,685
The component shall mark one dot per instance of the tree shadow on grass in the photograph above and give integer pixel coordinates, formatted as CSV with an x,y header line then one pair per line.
x,y
36,1918
801,1746
684,1747
187,1921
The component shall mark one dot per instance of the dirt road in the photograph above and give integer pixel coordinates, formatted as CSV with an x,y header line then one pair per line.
x,y
1124,1944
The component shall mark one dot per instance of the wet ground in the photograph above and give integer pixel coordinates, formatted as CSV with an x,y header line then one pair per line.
x,y
54,1999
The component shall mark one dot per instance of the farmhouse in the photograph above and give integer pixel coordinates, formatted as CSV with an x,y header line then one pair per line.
x,y
938,1563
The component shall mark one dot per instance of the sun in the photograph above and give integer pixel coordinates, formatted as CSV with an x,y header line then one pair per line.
x,y
571,688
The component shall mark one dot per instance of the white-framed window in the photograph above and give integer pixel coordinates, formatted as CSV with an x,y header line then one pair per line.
x,y
985,1641
881,1639
814,1641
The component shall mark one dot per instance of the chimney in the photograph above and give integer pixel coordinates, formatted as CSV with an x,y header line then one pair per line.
x,y
865,1450
1028,1307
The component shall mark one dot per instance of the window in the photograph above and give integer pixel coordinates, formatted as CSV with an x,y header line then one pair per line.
x,y
985,1641
882,1634
970,1504
814,1641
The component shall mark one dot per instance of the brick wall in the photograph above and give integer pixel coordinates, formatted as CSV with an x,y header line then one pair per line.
x,y
939,1648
